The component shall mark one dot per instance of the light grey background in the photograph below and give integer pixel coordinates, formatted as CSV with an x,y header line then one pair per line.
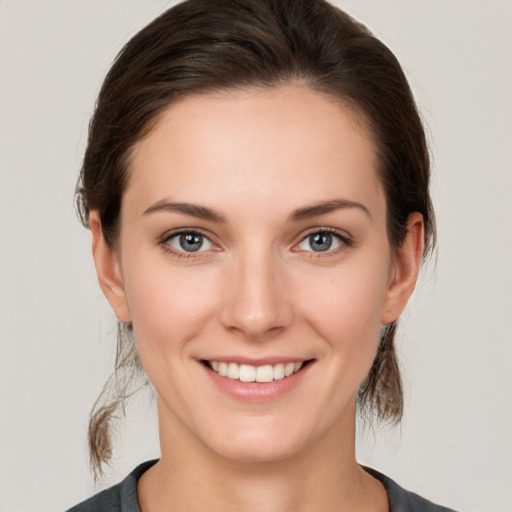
x,y
56,333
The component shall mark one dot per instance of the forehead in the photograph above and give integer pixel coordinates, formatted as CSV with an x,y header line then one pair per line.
x,y
289,144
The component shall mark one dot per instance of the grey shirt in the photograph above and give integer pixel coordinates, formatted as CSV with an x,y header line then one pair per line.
x,y
123,496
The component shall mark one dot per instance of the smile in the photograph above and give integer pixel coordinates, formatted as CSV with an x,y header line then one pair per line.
x,y
248,373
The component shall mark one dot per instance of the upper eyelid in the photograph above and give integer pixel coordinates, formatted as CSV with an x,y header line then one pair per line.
x,y
179,231
333,231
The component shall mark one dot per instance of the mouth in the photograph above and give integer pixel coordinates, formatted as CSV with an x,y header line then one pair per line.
x,y
248,373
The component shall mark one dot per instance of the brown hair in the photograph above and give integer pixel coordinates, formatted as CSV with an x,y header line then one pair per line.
x,y
200,46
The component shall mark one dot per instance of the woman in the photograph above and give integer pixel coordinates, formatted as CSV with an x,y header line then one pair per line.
x,y
256,184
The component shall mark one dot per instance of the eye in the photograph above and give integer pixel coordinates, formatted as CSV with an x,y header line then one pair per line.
x,y
189,241
322,241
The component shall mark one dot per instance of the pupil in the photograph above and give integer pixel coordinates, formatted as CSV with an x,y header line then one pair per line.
x,y
321,242
191,242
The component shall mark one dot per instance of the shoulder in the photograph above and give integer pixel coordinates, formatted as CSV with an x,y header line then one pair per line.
x,y
401,500
119,498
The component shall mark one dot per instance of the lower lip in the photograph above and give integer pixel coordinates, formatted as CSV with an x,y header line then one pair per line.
x,y
257,391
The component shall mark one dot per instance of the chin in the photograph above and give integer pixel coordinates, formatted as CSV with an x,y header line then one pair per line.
x,y
266,444
257,452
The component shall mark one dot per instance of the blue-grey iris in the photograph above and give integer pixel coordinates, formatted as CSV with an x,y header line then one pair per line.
x,y
191,242
320,242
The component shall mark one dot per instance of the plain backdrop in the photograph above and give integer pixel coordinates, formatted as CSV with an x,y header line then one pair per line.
x,y
57,334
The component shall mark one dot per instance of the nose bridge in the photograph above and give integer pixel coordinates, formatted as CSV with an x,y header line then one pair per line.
x,y
254,300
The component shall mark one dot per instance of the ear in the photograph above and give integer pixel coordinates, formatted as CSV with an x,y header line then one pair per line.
x,y
406,265
108,269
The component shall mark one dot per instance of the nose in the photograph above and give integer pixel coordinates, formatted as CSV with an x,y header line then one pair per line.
x,y
255,302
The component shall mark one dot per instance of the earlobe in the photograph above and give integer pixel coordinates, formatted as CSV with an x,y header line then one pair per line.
x,y
108,270
407,261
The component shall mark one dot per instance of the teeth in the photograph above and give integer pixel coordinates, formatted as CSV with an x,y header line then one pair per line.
x,y
288,369
265,373
248,373
233,371
279,371
223,369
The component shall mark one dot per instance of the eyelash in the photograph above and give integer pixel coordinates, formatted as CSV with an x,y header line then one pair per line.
x,y
345,242
164,242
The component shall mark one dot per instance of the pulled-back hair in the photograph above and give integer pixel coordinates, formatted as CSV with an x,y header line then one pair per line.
x,y
200,46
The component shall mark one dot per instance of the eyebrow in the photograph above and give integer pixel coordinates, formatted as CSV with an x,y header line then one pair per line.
x,y
327,207
201,212
307,212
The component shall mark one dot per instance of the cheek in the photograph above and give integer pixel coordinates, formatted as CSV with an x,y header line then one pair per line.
x,y
356,304
168,306
346,309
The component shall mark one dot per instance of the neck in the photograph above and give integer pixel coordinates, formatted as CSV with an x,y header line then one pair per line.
x,y
324,476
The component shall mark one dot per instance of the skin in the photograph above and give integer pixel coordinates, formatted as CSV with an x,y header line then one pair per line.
x,y
257,289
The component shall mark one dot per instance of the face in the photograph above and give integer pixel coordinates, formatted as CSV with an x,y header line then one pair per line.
x,y
254,263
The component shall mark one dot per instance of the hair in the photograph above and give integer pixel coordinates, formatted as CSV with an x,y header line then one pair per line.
x,y
198,47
